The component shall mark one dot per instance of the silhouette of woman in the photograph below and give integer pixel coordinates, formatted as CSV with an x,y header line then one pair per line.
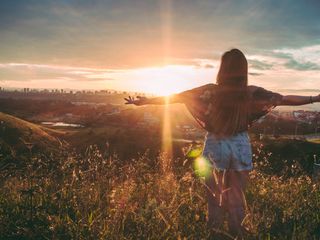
x,y
226,110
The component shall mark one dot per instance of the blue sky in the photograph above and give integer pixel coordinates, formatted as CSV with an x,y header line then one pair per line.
x,y
103,44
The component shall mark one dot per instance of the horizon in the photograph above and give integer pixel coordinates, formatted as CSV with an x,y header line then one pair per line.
x,y
283,91
315,107
157,47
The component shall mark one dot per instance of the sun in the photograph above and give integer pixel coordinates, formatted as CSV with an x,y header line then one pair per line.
x,y
164,80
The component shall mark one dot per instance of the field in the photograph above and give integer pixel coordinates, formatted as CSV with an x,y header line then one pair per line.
x,y
110,180
97,196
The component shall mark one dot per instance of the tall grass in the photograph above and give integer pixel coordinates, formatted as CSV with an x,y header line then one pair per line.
x,y
97,196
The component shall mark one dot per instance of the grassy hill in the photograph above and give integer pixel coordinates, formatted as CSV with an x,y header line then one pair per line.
x,y
18,137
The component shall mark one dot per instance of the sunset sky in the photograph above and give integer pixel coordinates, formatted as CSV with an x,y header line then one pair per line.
x,y
157,46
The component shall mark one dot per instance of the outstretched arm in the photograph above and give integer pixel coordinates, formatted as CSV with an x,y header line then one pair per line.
x,y
293,100
176,98
182,97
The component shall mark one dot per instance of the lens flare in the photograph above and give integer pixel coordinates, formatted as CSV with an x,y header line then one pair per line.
x,y
202,167
194,153
166,131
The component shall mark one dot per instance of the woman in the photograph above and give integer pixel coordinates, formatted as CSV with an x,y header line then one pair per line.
x,y
226,110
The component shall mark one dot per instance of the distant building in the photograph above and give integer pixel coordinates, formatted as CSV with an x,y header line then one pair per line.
x,y
305,116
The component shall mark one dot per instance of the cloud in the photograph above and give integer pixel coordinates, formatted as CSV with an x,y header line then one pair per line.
x,y
289,60
129,34
302,66
259,65
255,74
208,66
301,90
301,59
37,72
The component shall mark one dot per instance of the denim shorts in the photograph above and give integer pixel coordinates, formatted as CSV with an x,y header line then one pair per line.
x,y
232,153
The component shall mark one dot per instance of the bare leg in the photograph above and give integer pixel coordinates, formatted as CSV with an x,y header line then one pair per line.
x,y
216,199
236,184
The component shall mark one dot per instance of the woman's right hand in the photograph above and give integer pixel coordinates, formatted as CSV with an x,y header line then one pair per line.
x,y
138,102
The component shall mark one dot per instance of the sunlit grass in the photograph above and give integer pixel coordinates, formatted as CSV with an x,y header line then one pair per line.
x,y
100,197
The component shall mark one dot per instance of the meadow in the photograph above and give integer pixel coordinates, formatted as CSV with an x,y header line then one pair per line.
x,y
110,180
98,196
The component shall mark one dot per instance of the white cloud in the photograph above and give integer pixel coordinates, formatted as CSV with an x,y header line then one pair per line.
x,y
304,54
28,72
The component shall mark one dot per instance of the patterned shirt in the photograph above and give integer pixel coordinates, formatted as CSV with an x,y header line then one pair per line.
x,y
199,102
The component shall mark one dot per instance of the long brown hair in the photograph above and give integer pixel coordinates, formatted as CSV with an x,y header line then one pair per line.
x,y
230,109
